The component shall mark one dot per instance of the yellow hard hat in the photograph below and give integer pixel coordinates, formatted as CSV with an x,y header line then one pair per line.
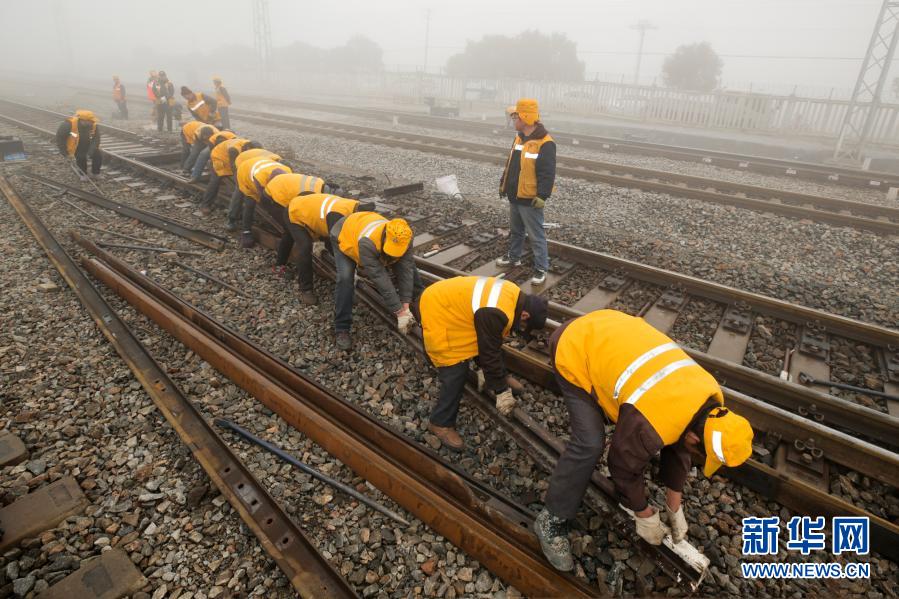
x,y
728,440
399,234
527,110
216,78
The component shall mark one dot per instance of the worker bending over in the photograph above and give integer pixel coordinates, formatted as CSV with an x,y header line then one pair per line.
x,y
78,138
194,140
252,177
235,209
220,159
617,368
201,106
468,317
380,246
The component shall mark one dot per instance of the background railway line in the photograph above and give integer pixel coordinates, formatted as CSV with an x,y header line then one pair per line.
x,y
440,241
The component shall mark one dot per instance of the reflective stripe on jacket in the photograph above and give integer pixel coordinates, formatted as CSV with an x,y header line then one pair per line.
x,y
358,226
448,310
527,178
621,359
73,138
254,174
311,211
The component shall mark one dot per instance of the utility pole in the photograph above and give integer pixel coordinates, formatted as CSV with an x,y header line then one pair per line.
x,y
262,37
424,68
865,102
642,26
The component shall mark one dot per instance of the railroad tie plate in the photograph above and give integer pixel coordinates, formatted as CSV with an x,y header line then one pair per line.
x,y
109,576
613,281
40,510
559,266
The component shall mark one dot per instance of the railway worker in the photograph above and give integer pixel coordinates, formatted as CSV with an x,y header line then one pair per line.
x,y
276,198
617,368
309,218
201,106
468,317
223,99
151,94
164,92
237,158
527,183
118,96
380,246
252,176
78,138
194,140
222,160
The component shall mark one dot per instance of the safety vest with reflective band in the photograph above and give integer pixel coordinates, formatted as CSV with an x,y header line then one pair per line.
x,y
254,153
219,154
72,140
286,187
200,109
220,98
189,130
117,95
527,177
257,170
447,315
622,359
311,211
220,137
357,227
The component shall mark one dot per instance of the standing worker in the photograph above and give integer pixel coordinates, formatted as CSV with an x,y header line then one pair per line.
x,y
201,106
610,365
164,91
151,94
118,96
221,160
78,138
223,98
379,246
527,182
468,317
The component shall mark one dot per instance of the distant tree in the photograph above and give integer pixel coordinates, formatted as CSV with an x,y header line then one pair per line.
x,y
529,55
694,67
358,55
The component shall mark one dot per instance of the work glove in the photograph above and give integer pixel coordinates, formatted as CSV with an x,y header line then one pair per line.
x,y
678,524
505,402
538,203
651,529
404,321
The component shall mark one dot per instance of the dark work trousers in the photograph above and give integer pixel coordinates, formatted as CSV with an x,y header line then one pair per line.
x,y
235,208
452,385
247,213
572,473
81,160
344,289
163,113
193,153
185,152
212,189
301,236
226,117
123,108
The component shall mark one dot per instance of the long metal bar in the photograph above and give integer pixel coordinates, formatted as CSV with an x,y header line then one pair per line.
x,y
470,525
309,573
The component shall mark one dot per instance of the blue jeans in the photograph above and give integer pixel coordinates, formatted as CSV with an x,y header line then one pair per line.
x,y
212,189
192,154
344,290
527,219
201,161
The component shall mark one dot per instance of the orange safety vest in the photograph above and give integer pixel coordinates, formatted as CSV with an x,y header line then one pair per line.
x,y
200,109
254,153
623,359
256,170
117,94
190,129
287,187
527,177
311,211
220,137
221,161
357,226
447,315
72,140
220,96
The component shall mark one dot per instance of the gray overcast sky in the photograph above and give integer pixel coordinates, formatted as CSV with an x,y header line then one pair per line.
x,y
105,31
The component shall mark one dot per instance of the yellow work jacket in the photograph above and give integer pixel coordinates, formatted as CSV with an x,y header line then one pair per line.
x,y
311,211
220,137
72,140
190,129
622,359
286,187
220,98
254,153
117,94
447,315
256,170
358,226
200,109
221,161
527,178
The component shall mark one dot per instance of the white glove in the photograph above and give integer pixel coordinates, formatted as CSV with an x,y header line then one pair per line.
x,y
404,321
505,402
678,524
651,529
318,248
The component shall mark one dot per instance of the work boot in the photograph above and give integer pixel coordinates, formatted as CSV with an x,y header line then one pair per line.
x,y
506,261
205,210
193,180
553,534
308,298
246,239
448,436
343,340
231,226
539,277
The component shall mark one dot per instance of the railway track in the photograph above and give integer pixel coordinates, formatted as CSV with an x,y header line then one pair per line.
x,y
788,477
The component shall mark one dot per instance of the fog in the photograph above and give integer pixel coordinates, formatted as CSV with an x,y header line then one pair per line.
x,y
814,46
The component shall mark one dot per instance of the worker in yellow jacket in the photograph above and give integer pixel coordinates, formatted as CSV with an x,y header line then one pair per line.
x,y
378,245
223,143
616,368
223,99
468,317
235,209
78,138
252,176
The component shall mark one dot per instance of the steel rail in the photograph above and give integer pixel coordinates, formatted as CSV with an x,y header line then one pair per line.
x,y
308,572
453,510
681,186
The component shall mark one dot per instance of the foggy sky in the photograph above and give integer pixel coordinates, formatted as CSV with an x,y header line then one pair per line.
x,y
104,34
